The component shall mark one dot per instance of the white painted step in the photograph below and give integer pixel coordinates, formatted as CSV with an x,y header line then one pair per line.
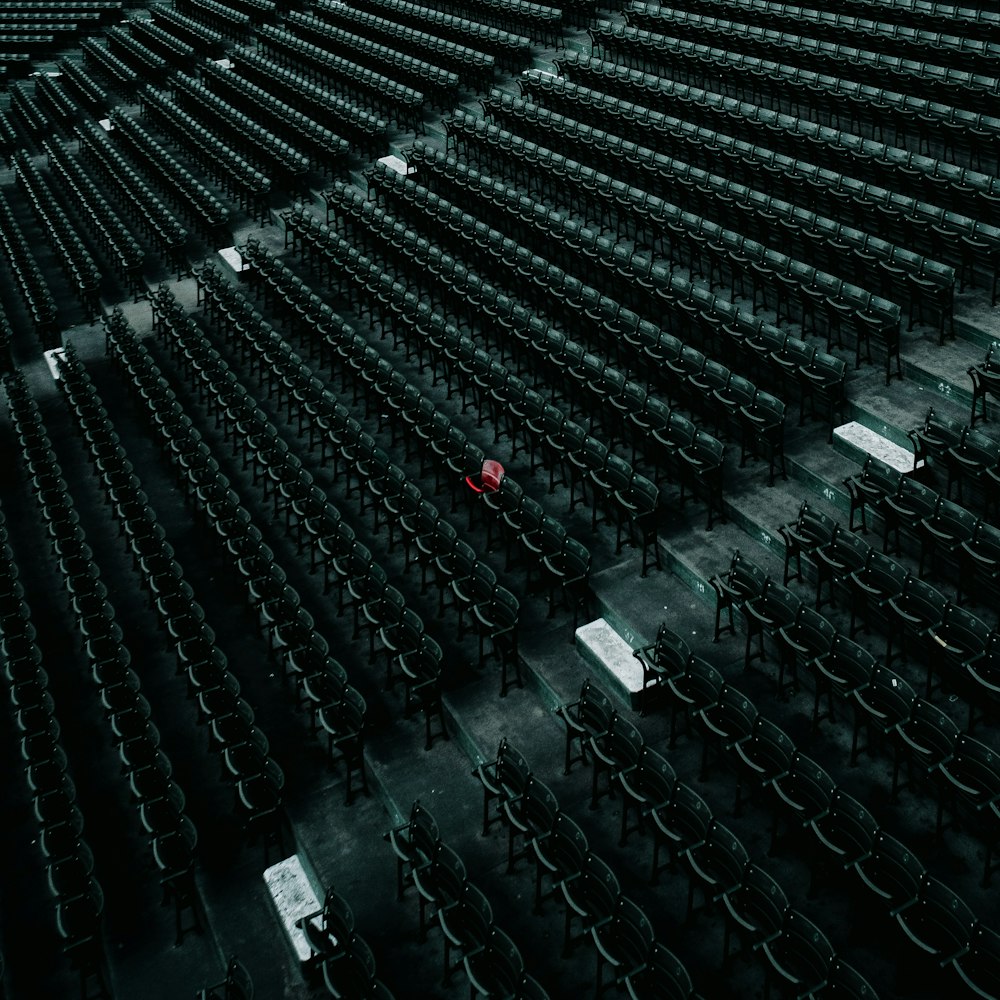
x,y
294,897
858,436
616,670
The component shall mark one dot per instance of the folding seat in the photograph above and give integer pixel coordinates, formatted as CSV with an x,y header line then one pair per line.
x,y
968,462
681,824
875,481
954,643
938,922
969,788
715,867
496,620
420,668
671,432
808,532
439,884
503,780
329,931
985,378
879,705
465,925
872,587
802,796
529,816
799,957
891,873
590,899
351,973
496,969
588,717
702,471
932,439
667,656
766,612
979,561
614,754
414,844
914,615
763,430
624,942
979,966
925,738
737,393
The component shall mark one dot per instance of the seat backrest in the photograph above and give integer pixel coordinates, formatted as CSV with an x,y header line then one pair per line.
x,y
239,985
492,474
667,974
761,901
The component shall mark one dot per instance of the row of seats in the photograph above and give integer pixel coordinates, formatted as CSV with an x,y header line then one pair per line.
x,y
258,10
716,863
965,456
226,20
631,499
31,285
341,956
393,101
60,105
377,606
855,104
958,239
955,644
159,800
802,182
77,895
108,10
960,771
899,71
74,258
87,91
946,184
164,44
292,641
32,119
774,357
562,563
492,610
985,377
102,221
9,140
901,501
743,256
914,16
509,49
202,39
184,192
491,961
239,131
326,149
757,420
564,443
438,85
816,239
915,43
123,78
140,201
147,64
542,23
237,175
366,131
6,333
470,65
850,841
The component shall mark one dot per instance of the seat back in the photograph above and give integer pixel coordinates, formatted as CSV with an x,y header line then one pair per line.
x,y
492,474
